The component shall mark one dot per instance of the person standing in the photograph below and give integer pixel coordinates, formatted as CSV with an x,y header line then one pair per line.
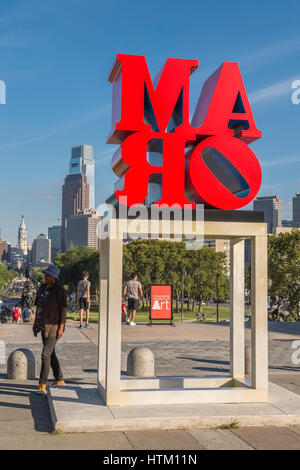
x,y
26,314
134,288
50,319
83,298
16,314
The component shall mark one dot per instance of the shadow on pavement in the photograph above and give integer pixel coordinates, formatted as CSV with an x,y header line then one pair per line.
x,y
288,368
209,361
26,398
40,413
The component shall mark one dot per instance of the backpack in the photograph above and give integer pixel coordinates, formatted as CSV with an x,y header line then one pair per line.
x,y
15,314
26,313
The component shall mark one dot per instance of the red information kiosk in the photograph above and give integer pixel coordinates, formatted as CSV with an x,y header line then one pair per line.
x,y
161,296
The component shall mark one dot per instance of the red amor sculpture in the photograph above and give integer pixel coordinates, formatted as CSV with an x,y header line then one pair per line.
x,y
222,171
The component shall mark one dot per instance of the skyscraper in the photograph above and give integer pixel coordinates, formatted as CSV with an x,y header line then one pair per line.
x,y
82,229
41,250
271,206
54,234
22,237
82,161
75,198
296,208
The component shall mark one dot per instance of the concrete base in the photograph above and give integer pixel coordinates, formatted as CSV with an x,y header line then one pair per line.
x,y
79,408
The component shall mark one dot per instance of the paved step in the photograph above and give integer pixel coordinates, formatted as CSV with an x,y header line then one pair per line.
x,y
79,408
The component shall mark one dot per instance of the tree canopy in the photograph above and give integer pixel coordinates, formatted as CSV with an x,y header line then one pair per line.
x,y
191,272
37,275
76,260
6,275
284,265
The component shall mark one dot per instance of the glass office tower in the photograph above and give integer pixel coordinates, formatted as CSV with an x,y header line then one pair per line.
x,y
82,161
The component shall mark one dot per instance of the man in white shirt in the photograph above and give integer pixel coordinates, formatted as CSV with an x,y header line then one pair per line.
x,y
83,298
133,288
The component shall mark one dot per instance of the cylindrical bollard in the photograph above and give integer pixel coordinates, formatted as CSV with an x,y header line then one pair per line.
x,y
140,362
248,360
21,365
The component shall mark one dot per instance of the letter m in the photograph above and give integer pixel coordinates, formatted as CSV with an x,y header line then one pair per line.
x,y
140,104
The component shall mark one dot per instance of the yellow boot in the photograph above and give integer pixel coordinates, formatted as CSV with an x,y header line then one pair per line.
x,y
42,388
59,382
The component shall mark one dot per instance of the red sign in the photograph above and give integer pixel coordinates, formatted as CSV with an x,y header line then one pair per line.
x,y
161,302
223,172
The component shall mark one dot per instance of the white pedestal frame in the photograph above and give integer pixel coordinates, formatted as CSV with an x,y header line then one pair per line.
x,y
185,390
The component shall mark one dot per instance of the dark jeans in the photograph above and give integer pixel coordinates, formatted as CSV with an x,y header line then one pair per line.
x,y
49,358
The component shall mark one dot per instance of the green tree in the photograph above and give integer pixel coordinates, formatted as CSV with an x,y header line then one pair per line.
x,y
284,265
6,276
76,260
191,272
37,275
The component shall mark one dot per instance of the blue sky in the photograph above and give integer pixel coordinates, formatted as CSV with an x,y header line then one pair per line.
x,y
55,56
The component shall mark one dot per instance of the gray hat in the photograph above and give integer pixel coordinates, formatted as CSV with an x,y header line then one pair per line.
x,y
52,270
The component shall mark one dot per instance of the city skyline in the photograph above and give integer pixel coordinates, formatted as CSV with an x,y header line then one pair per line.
x,y
61,109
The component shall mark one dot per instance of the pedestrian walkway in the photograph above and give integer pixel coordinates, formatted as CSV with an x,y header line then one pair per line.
x,y
195,331
25,424
181,355
76,408
195,349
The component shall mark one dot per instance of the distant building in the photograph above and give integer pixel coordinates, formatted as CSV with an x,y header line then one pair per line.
x,y
54,234
41,250
82,229
224,247
271,206
279,230
290,224
75,198
22,236
296,209
4,251
82,161
16,257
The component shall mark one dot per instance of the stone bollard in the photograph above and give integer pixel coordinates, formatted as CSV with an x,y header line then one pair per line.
x,y
21,365
248,360
140,362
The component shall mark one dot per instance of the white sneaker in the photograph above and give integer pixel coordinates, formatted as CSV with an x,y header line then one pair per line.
x,y
132,323
128,321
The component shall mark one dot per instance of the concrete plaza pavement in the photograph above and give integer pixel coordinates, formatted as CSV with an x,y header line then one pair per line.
x,y
196,349
193,349
25,424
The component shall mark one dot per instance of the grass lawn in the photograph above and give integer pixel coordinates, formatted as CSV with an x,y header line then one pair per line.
x,y
142,316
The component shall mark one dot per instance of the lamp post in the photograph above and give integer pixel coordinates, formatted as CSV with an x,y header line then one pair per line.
x,y
217,279
182,293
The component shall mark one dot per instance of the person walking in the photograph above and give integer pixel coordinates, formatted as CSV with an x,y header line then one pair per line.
x,y
134,288
83,298
50,319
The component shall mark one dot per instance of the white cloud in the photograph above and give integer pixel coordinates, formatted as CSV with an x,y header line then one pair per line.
x,y
256,59
280,161
263,56
105,156
90,115
272,91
